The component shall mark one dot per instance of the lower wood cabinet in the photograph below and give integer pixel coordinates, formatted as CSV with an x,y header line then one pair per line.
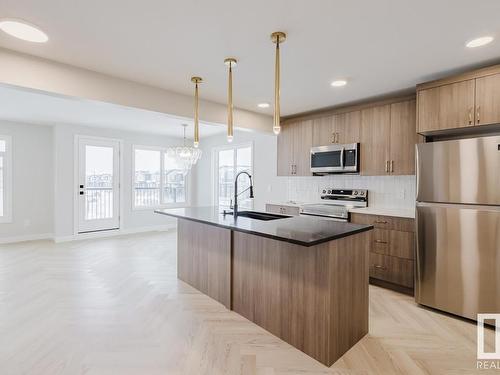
x,y
392,269
392,250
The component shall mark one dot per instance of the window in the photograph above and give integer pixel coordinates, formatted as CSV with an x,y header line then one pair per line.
x,y
5,179
158,180
228,161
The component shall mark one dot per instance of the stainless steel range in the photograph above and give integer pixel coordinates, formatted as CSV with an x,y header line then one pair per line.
x,y
337,203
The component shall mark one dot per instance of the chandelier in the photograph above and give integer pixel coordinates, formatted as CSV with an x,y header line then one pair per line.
x,y
184,156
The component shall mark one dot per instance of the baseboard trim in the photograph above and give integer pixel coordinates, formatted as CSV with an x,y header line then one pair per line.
x,y
115,232
30,237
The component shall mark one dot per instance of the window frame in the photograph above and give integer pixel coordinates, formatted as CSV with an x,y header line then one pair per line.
x,y
7,180
187,181
215,167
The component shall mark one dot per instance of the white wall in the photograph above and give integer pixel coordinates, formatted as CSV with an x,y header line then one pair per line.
x,y
384,191
64,136
32,185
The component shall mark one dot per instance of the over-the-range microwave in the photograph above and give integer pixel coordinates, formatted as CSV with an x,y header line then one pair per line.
x,y
335,158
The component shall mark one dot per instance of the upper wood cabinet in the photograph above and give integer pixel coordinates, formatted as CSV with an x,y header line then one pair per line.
x,y
388,139
337,128
446,107
346,126
375,138
294,148
488,100
466,100
322,131
402,138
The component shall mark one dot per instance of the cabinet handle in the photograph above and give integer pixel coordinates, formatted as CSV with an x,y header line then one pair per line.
x,y
380,222
380,241
337,137
379,267
387,166
392,166
470,115
478,107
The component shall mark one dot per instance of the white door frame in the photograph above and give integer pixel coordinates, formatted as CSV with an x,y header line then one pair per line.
x,y
76,178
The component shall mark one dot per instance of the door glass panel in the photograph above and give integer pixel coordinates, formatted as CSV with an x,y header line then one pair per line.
x,y
98,182
244,163
226,177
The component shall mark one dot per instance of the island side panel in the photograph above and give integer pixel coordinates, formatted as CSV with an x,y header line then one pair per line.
x,y
349,262
204,259
284,288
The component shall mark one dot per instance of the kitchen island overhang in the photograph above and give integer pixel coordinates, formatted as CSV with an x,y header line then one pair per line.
x,y
304,280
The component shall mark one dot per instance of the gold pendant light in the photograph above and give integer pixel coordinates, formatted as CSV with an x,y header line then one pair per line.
x,y
230,62
196,81
277,37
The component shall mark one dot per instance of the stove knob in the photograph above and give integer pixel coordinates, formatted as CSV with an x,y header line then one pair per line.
x,y
329,191
324,191
355,192
361,193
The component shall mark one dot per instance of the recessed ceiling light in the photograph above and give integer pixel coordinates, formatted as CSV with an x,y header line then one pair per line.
x,y
478,42
339,83
263,105
23,30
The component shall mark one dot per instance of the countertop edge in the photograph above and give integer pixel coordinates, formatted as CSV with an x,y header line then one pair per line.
x,y
270,236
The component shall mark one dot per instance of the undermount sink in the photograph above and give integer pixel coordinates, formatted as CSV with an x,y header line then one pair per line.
x,y
259,215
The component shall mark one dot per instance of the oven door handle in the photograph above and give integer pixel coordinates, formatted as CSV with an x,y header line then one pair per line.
x,y
342,158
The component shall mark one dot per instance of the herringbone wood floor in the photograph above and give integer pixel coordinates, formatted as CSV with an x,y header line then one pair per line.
x,y
115,306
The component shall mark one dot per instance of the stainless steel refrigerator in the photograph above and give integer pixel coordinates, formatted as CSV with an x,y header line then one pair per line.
x,y
458,226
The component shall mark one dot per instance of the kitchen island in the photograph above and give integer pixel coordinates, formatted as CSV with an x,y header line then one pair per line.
x,y
303,279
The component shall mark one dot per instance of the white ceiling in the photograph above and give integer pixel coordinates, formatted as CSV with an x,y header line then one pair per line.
x,y
380,46
34,107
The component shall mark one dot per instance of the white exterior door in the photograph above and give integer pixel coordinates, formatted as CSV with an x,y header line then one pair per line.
x,y
98,189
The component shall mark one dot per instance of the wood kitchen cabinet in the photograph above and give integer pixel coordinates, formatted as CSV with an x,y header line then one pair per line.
x,y
337,128
402,138
446,107
463,101
322,131
392,250
345,127
487,100
375,139
294,148
388,139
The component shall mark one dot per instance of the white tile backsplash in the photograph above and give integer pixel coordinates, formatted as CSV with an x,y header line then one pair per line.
x,y
383,191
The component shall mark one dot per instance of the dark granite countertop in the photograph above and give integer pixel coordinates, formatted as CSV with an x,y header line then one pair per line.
x,y
300,230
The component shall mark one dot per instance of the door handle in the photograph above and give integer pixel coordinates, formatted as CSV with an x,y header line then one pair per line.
x,y
380,222
379,267
81,186
82,193
380,241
